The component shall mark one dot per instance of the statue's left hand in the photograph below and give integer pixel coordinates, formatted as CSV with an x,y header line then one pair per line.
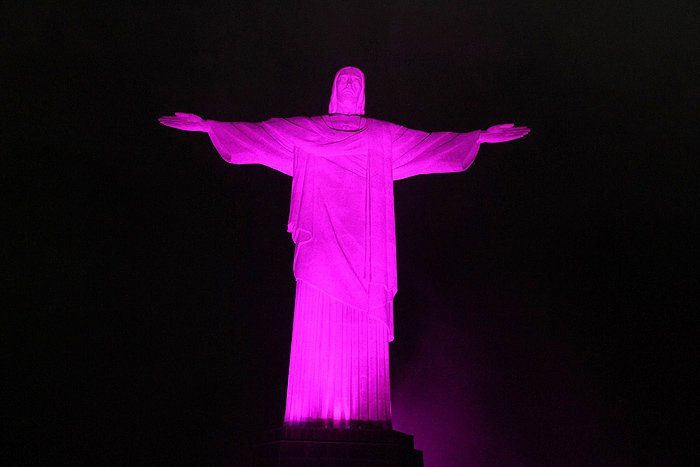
x,y
503,132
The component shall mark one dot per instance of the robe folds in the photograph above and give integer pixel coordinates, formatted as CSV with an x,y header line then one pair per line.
x,y
342,204
341,219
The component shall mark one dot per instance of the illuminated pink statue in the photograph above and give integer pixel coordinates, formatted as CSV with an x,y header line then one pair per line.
x,y
342,221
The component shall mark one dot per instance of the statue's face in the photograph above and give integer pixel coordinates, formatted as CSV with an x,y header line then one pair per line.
x,y
348,87
348,92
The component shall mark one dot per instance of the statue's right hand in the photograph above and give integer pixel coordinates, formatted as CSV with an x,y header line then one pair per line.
x,y
185,121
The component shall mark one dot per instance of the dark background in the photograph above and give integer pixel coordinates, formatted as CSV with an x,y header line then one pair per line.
x,y
544,308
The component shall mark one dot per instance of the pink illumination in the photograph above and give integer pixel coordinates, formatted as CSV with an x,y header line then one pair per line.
x,y
339,365
342,221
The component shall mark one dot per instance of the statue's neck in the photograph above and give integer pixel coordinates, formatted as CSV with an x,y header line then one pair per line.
x,y
345,122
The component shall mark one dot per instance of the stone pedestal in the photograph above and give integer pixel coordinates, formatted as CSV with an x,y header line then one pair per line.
x,y
327,447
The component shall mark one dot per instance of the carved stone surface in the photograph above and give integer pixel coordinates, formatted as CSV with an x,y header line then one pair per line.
x,y
341,217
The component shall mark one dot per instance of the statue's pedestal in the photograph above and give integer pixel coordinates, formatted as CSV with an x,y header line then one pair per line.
x,y
321,447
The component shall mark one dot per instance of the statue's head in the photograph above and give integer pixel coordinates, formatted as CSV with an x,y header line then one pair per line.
x,y
348,94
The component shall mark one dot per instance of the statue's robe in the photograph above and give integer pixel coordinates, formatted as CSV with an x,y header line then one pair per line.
x,y
342,221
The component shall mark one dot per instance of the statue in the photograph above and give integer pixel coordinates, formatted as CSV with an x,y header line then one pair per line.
x,y
342,221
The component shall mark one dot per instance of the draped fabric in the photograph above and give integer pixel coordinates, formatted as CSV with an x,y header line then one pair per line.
x,y
342,221
339,365
342,218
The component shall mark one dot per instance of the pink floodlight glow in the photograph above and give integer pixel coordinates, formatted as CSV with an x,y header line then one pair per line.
x,y
341,219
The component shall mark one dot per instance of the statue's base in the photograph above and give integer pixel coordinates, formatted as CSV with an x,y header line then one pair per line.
x,y
320,447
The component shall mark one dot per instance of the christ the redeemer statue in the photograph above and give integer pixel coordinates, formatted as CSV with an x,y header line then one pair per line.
x,y
341,218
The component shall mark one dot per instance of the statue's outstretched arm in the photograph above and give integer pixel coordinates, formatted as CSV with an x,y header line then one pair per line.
x,y
244,142
502,133
185,121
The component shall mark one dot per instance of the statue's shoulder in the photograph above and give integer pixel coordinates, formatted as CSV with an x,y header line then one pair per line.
x,y
293,124
303,122
380,123
292,120
384,126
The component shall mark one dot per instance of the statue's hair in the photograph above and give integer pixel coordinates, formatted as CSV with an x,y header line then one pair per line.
x,y
333,106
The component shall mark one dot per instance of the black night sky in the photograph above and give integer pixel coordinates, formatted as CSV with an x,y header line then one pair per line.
x,y
544,308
